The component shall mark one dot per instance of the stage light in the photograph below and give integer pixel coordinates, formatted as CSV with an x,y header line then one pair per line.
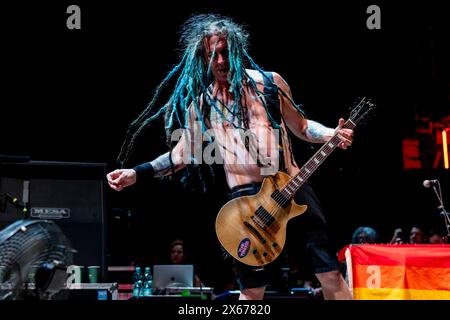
x,y
445,147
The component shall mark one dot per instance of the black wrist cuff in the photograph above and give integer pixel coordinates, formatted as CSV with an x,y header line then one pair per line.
x,y
144,170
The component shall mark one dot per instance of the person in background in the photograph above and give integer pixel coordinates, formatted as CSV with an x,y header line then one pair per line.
x,y
417,235
362,235
436,236
365,235
178,256
398,237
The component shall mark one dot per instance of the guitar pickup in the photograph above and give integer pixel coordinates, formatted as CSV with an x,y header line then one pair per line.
x,y
280,199
264,217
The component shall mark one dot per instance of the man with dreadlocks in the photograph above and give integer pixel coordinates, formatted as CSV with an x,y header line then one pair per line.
x,y
216,94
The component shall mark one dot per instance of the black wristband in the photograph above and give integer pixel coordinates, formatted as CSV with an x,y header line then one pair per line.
x,y
144,170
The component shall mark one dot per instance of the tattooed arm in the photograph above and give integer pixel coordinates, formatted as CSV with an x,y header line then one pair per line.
x,y
303,128
306,129
316,132
163,165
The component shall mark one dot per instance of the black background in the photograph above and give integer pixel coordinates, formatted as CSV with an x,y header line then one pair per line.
x,y
69,95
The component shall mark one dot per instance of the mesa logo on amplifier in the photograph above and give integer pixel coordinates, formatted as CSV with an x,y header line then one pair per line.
x,y
69,193
50,213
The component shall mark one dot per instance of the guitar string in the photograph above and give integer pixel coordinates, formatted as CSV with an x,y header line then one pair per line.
x,y
273,212
288,190
282,191
283,194
310,165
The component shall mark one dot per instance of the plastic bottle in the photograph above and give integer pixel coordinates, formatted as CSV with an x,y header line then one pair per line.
x,y
137,278
148,280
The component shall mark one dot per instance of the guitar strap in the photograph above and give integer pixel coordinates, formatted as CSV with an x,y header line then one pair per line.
x,y
273,106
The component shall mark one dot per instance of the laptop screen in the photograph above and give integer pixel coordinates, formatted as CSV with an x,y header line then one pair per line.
x,y
172,275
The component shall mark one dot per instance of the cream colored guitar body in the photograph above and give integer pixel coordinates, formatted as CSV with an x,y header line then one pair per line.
x,y
253,228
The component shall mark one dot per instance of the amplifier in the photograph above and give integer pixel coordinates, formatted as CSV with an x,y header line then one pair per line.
x,y
69,193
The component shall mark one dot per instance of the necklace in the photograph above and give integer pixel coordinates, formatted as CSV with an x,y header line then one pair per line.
x,y
223,112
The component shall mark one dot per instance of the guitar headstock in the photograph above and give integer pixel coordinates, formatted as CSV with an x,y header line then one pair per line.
x,y
363,107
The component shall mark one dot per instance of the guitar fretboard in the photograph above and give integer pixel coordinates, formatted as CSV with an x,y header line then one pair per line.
x,y
312,164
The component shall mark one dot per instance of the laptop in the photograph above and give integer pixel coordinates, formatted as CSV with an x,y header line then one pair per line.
x,y
172,275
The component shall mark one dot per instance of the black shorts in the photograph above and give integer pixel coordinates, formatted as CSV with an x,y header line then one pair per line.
x,y
307,237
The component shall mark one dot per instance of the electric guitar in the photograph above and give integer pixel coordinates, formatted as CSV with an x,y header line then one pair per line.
x,y
253,228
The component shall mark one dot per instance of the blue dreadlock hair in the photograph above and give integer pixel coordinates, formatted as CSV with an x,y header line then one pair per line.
x,y
365,235
194,78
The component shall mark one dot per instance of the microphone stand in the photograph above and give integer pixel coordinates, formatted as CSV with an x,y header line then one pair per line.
x,y
441,207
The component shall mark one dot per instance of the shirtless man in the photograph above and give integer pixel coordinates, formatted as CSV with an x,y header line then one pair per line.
x,y
230,98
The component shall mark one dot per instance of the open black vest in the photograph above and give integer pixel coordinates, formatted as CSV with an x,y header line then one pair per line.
x,y
273,106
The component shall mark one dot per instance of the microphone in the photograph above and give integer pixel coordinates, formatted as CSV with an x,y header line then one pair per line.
x,y
429,183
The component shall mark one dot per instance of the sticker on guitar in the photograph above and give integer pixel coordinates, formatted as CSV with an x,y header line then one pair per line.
x,y
243,248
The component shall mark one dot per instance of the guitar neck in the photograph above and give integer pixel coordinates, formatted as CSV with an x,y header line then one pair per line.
x,y
312,164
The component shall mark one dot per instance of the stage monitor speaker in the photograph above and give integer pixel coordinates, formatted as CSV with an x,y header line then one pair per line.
x,y
69,193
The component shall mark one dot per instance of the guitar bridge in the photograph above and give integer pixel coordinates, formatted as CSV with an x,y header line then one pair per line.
x,y
255,232
258,222
265,219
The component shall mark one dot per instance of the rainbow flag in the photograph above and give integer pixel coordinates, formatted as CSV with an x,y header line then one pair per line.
x,y
398,272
